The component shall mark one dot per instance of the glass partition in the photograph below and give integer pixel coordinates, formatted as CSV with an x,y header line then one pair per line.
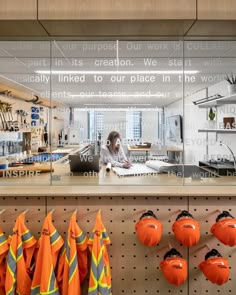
x,y
24,113
117,113
209,112
117,91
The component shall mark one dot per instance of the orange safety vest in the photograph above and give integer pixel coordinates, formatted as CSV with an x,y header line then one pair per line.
x,y
100,275
3,255
72,268
44,280
22,245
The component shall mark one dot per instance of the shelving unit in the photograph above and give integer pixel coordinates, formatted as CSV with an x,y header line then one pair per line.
x,y
218,130
220,102
225,100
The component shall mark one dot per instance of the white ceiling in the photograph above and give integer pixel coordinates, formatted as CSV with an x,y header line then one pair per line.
x,y
20,61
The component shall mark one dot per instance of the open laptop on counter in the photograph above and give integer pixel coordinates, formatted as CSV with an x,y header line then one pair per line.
x,y
83,163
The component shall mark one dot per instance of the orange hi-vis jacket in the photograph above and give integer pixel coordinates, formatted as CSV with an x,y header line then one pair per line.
x,y
22,246
44,280
100,275
3,255
73,265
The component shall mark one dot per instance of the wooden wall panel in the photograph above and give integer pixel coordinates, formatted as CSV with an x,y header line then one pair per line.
x,y
116,28
216,10
122,9
18,10
213,28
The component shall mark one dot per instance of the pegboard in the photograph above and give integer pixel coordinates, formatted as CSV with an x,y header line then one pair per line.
x,y
205,211
15,205
135,267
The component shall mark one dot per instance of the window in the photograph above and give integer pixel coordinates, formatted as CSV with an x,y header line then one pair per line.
x,y
95,125
160,134
134,125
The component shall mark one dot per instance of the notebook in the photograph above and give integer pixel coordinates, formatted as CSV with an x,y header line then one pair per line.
x,y
136,170
150,168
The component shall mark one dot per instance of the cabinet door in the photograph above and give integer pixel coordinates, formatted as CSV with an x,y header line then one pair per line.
x,y
18,9
216,10
119,9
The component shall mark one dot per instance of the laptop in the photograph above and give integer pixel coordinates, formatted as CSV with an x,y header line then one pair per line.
x,y
84,163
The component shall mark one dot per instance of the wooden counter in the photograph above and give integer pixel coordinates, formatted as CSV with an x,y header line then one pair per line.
x,y
64,184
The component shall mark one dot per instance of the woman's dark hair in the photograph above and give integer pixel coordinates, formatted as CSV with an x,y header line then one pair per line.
x,y
112,137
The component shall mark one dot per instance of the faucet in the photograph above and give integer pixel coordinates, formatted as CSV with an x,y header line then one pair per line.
x,y
223,144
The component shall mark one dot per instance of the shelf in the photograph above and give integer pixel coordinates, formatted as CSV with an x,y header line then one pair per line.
x,y
219,102
13,132
218,130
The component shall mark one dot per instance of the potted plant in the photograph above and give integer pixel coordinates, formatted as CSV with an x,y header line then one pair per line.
x,y
211,118
211,114
232,84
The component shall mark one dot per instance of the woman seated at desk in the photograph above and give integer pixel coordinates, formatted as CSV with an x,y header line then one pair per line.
x,y
113,152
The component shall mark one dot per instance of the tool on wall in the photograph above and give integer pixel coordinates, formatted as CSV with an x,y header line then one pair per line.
x,y
21,118
8,124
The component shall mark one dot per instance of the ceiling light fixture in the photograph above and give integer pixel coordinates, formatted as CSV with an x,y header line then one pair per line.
x,y
117,104
206,100
62,72
117,95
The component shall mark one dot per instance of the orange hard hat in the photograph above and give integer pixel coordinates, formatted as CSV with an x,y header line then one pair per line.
x,y
174,267
186,229
215,267
225,229
149,229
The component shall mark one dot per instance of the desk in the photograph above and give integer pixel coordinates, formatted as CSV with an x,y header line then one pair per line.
x,y
133,148
111,185
63,177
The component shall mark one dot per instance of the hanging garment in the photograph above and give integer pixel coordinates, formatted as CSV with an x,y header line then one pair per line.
x,y
73,265
21,249
44,280
3,265
100,275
